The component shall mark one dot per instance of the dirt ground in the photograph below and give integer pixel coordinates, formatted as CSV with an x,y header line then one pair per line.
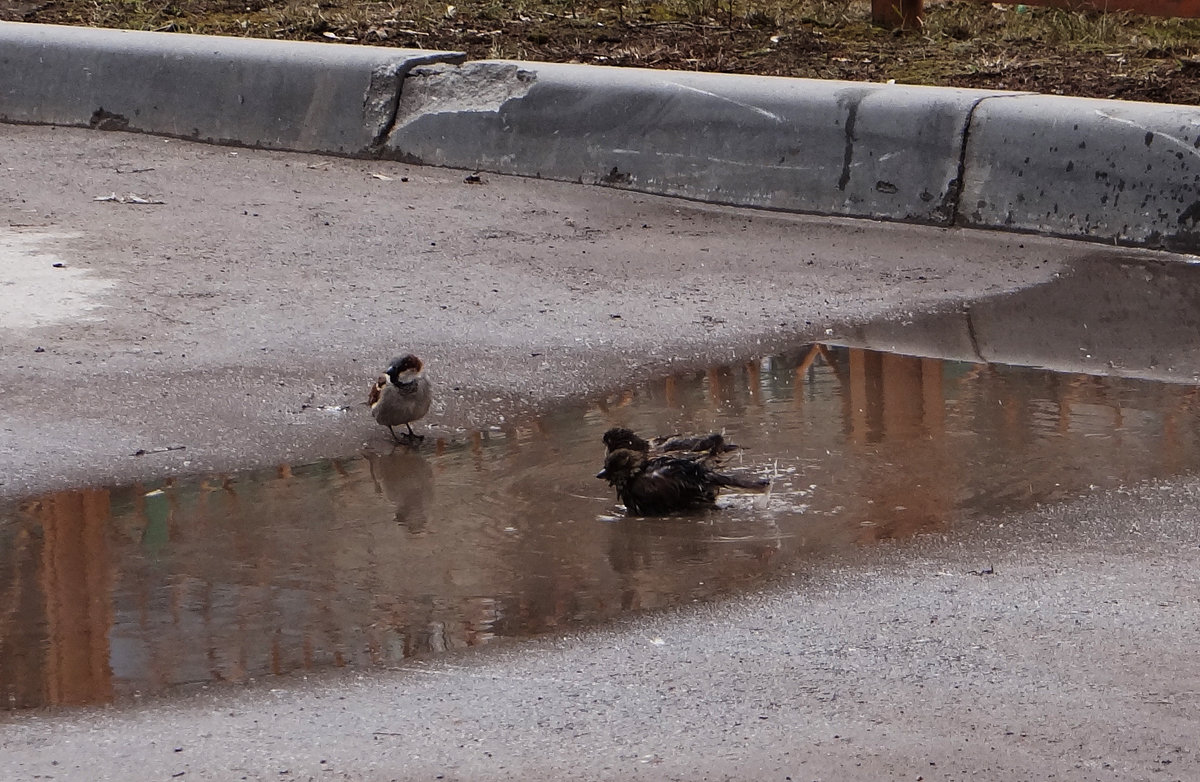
x,y
963,44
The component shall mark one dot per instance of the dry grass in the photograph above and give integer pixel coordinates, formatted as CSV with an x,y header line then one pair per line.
x,y
958,21
963,43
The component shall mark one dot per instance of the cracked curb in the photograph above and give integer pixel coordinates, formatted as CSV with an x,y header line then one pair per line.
x,y
1097,170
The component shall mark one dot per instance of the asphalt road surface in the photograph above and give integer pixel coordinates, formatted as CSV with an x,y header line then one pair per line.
x,y
237,303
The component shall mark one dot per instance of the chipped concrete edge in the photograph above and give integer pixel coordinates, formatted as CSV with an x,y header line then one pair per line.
x,y
1101,170
1108,171
285,95
822,147
381,102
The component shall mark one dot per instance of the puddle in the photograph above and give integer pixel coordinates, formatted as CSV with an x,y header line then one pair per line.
x,y
37,287
1129,319
113,592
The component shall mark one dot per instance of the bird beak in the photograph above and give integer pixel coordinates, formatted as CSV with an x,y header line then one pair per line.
x,y
602,474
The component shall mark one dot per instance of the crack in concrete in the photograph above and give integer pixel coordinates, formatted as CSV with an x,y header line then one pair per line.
x,y
471,87
386,92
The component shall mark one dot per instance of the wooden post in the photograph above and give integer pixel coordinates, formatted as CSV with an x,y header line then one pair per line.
x,y
902,14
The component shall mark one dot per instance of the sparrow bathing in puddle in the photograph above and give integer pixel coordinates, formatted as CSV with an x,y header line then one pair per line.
x,y
657,485
401,395
708,447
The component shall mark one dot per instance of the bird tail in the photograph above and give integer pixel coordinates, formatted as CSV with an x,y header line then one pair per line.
x,y
710,444
744,482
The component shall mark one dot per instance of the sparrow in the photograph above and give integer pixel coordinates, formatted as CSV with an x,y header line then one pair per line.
x,y
657,485
401,394
704,446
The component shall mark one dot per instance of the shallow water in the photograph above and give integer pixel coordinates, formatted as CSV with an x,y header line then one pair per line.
x,y
112,592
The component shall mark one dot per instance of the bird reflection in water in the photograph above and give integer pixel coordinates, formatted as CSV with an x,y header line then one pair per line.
x,y
406,479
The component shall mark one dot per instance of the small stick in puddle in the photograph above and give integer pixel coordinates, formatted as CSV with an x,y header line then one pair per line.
x,y
162,449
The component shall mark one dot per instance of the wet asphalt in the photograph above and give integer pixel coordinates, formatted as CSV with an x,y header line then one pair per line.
x,y
238,324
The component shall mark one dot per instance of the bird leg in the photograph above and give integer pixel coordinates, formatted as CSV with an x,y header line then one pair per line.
x,y
406,438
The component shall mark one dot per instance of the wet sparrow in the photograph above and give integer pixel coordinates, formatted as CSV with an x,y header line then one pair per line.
x,y
653,486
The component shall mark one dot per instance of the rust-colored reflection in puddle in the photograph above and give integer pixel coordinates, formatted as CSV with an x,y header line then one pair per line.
x,y
105,593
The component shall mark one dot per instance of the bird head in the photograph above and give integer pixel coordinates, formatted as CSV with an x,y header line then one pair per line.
x,y
620,465
404,369
620,437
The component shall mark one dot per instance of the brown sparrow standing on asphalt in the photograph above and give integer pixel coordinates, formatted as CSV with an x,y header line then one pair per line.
x,y
401,394
653,486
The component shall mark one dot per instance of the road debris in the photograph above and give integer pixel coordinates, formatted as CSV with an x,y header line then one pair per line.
x,y
161,449
129,198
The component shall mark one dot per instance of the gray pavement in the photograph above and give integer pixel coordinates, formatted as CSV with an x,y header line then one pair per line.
x,y
265,291
268,289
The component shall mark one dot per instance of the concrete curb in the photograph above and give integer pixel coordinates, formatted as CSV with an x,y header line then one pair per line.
x,y
305,97
1071,167
825,147
1112,170
1109,171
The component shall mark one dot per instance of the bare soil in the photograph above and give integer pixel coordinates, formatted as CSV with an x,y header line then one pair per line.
x,y
962,44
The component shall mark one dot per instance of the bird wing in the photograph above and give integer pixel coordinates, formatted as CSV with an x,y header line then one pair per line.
x,y
376,390
666,485
694,445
